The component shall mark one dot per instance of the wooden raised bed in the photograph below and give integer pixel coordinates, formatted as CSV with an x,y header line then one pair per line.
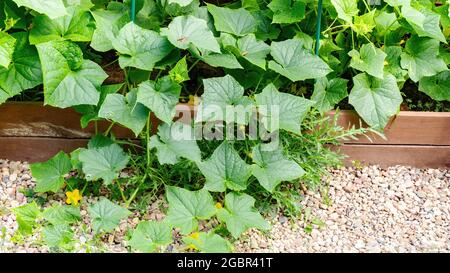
x,y
32,132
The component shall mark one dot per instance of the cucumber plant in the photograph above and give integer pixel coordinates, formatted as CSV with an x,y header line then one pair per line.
x,y
236,63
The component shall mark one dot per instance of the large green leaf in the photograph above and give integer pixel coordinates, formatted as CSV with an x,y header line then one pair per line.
x,y
149,235
375,100
425,22
295,62
187,207
396,3
51,8
385,22
369,59
437,87
160,97
253,50
239,22
208,243
281,110
287,11
139,47
24,72
78,25
26,216
60,235
125,110
421,58
175,141
185,31
225,169
105,215
239,214
327,93
68,79
49,175
272,167
90,112
225,59
180,72
393,63
108,24
223,99
346,9
61,214
365,23
7,44
103,163
182,3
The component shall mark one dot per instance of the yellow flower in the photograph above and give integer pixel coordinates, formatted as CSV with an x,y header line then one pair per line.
x,y
386,63
73,197
195,235
402,41
194,100
218,205
191,247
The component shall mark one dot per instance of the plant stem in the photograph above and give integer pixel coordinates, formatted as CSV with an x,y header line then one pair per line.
x,y
133,196
193,65
109,129
149,124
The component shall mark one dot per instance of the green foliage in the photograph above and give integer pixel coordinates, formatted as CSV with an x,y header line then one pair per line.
x,y
248,57
150,235
240,215
105,215
50,175
187,207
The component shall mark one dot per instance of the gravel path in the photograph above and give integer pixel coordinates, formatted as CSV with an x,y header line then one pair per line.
x,y
399,209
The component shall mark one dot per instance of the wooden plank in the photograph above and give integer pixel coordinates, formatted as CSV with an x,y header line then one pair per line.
x,y
391,155
428,128
36,149
35,120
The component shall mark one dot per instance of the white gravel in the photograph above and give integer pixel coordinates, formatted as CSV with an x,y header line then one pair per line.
x,y
400,209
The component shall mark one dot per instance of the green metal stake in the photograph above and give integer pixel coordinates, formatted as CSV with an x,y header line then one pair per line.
x,y
133,10
318,25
